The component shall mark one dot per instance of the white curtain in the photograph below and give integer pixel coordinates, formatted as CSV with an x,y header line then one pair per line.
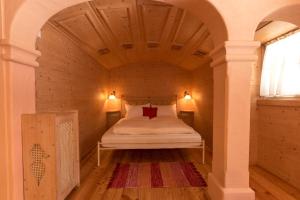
x,y
281,68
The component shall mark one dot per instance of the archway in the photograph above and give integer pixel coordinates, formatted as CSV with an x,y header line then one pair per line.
x,y
22,46
44,11
231,74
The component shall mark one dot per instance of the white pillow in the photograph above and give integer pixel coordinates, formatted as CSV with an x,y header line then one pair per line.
x,y
134,110
168,110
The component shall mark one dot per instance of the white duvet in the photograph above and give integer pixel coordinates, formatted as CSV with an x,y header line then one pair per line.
x,y
157,125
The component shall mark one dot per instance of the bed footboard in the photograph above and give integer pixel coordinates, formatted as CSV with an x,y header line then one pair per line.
x,y
123,146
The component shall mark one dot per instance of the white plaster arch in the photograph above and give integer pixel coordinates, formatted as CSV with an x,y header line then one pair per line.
x,y
20,55
232,20
33,14
289,12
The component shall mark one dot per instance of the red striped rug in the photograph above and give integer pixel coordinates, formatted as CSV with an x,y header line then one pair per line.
x,y
156,175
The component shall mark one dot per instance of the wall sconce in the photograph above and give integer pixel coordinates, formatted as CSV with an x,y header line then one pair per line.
x,y
187,96
112,95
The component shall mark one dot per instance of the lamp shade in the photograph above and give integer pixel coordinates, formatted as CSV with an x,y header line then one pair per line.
x,y
187,96
112,95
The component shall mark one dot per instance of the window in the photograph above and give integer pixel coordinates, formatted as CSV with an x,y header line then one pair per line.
x,y
281,68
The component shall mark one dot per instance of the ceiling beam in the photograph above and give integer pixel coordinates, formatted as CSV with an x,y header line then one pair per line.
x,y
170,29
106,32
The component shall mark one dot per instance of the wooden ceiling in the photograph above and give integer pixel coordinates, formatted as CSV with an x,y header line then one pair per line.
x,y
119,32
269,30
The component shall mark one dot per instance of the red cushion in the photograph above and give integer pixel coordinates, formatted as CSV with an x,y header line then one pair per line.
x,y
153,112
146,111
150,112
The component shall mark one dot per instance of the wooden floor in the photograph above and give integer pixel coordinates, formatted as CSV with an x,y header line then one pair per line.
x,y
94,179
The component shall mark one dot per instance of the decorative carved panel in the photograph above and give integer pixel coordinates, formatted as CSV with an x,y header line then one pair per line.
x,y
38,167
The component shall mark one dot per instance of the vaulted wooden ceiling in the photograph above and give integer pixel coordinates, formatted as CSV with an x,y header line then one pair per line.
x,y
118,32
269,30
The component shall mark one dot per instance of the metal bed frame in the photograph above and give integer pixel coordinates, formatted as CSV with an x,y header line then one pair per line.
x,y
165,100
114,146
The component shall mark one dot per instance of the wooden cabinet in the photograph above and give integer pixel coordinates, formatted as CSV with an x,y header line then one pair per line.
x,y
112,118
187,117
50,155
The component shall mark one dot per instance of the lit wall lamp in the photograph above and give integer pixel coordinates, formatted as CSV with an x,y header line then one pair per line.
x,y
187,96
112,95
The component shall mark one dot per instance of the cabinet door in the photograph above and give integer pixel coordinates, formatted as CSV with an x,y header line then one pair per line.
x,y
39,158
66,154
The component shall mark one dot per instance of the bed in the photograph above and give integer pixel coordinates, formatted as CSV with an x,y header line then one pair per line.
x,y
161,132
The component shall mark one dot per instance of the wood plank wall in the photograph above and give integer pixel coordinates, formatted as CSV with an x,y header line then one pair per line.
x,y
69,79
274,132
202,93
279,141
150,79
160,79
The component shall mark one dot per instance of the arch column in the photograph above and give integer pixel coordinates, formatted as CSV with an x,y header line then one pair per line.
x,y
232,64
17,96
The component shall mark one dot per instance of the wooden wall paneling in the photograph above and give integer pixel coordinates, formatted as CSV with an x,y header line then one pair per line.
x,y
274,125
150,79
68,78
202,93
278,146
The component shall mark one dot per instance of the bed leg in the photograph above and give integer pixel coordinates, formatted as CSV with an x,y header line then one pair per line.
x,y
203,152
98,154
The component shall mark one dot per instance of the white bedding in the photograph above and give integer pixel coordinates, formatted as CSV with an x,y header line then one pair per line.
x,y
110,139
158,125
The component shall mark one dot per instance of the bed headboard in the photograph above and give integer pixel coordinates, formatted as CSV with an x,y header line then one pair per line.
x,y
158,100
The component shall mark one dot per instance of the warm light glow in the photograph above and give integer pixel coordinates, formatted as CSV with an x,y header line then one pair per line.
x,y
187,96
112,103
281,68
112,96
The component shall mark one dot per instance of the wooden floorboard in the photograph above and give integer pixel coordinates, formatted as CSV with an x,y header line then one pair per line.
x,y
268,186
94,180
